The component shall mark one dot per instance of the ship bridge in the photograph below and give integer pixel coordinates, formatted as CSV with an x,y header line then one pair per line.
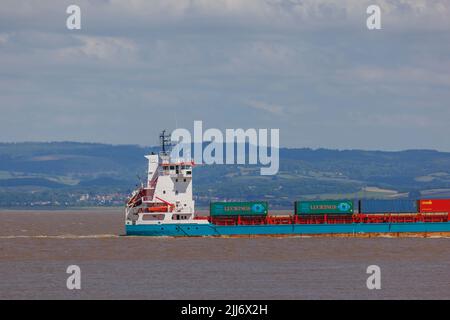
x,y
167,195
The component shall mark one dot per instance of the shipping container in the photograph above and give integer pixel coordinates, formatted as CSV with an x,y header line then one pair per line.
x,y
388,206
252,208
434,205
324,207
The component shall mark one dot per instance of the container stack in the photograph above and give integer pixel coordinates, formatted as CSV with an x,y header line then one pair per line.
x,y
249,208
387,206
324,207
434,206
254,212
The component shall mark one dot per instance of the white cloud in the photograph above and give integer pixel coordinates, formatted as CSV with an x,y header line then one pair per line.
x,y
266,107
111,49
299,15
299,65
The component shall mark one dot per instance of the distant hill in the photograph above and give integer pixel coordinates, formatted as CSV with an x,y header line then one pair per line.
x,y
75,174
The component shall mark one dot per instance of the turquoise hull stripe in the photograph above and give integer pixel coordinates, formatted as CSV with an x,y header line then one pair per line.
x,y
193,230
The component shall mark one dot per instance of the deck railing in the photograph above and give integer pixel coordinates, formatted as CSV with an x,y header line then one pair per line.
x,y
327,219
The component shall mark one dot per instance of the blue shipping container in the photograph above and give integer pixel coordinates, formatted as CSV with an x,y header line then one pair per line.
x,y
388,206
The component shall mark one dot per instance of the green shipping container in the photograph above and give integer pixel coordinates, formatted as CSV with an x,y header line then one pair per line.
x,y
256,208
324,207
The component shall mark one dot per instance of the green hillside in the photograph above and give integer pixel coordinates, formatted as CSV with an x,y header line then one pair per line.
x,y
83,174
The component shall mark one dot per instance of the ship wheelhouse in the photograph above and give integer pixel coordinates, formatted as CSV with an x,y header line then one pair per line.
x,y
167,195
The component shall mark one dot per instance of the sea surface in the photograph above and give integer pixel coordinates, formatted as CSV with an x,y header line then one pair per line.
x,y
36,247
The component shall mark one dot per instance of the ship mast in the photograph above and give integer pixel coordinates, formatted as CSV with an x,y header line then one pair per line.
x,y
165,143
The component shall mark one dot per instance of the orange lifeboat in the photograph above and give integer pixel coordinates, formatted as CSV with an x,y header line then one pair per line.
x,y
157,209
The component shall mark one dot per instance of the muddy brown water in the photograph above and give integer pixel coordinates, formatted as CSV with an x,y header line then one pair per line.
x,y
36,247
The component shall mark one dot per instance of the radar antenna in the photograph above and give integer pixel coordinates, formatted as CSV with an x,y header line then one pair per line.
x,y
165,142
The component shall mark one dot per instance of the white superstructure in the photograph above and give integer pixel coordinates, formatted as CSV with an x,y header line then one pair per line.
x,y
167,197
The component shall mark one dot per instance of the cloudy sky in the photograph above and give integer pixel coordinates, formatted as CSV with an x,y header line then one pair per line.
x,y
308,67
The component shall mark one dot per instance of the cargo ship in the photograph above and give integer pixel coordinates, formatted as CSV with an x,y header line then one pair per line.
x,y
164,206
